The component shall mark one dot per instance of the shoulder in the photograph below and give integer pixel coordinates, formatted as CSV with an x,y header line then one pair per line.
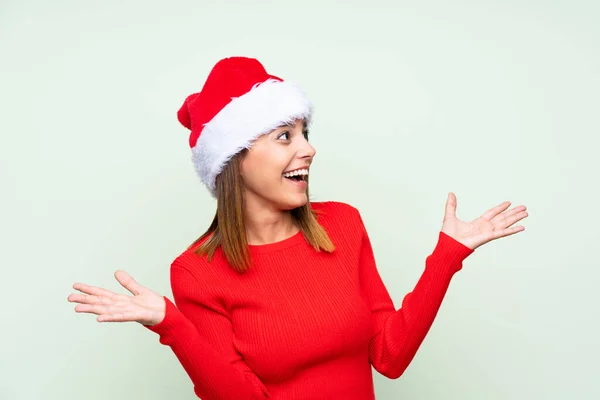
x,y
333,208
195,279
193,267
337,214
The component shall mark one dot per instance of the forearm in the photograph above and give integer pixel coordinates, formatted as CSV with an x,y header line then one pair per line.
x,y
214,377
394,347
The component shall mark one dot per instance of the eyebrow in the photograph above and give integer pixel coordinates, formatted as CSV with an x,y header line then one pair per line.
x,y
304,125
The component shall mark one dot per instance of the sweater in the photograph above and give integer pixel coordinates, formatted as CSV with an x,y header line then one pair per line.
x,y
300,324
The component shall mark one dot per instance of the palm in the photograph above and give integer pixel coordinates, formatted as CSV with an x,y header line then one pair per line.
x,y
495,223
145,306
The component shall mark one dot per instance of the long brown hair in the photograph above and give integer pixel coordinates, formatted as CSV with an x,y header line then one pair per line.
x,y
228,229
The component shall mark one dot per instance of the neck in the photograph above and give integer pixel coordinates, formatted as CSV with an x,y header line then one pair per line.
x,y
266,225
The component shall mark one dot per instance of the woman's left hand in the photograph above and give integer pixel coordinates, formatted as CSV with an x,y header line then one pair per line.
x,y
493,224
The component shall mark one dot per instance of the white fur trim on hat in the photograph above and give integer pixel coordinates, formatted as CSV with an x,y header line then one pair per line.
x,y
267,106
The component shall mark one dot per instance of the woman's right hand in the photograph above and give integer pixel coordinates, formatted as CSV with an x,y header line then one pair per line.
x,y
145,306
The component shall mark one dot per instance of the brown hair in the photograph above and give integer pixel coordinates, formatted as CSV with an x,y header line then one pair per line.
x,y
228,229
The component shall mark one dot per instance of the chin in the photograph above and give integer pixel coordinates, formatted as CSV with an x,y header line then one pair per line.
x,y
295,201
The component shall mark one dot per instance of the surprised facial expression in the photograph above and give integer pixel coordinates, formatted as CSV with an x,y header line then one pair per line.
x,y
275,169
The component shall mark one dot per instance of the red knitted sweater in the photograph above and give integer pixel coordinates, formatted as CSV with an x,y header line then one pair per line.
x,y
300,324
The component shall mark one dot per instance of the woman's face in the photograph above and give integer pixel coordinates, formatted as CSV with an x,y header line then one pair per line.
x,y
275,169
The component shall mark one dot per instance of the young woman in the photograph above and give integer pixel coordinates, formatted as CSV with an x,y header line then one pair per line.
x,y
281,297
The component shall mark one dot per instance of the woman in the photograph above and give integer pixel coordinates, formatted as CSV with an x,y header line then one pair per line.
x,y
281,298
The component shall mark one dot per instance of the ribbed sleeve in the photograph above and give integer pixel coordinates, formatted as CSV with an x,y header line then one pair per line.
x,y
216,370
399,333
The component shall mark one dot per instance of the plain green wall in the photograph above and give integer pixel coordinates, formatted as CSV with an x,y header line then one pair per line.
x,y
492,100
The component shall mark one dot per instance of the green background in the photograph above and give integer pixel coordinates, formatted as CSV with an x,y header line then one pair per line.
x,y
492,100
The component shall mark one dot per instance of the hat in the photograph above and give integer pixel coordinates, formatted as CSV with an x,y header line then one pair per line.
x,y
239,102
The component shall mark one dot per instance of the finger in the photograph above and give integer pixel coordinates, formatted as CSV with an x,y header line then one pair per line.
x,y
492,212
508,231
92,299
450,206
126,316
507,214
97,309
511,220
128,282
88,299
111,306
93,290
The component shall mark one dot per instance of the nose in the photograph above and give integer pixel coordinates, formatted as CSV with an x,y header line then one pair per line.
x,y
307,151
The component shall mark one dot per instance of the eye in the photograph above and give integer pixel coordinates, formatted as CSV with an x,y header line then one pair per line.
x,y
282,134
305,133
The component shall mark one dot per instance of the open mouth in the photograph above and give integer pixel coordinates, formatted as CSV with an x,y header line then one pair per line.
x,y
297,176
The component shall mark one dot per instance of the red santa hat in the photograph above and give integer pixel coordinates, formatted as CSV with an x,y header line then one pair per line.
x,y
239,102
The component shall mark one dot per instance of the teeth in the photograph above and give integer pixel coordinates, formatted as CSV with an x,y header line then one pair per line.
x,y
295,173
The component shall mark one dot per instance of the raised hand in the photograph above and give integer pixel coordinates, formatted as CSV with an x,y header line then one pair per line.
x,y
495,223
145,306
